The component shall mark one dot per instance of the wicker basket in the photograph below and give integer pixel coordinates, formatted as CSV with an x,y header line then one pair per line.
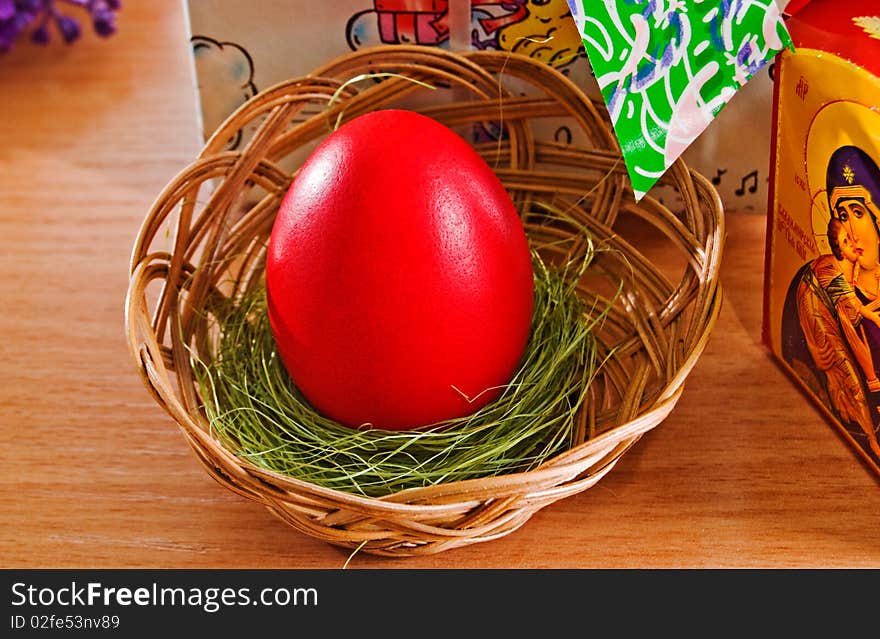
x,y
207,231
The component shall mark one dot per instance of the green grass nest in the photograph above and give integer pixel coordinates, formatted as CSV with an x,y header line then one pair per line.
x,y
256,411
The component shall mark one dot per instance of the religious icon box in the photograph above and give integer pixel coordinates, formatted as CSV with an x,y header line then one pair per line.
x,y
822,263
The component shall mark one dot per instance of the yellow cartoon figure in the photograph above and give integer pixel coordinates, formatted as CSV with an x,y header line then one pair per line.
x,y
546,32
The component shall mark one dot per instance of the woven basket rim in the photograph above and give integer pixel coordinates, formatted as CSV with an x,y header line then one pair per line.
x,y
433,518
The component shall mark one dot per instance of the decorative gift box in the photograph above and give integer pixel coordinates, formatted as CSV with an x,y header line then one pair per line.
x,y
823,243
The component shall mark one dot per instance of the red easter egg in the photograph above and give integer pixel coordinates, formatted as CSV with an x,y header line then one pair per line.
x,y
399,277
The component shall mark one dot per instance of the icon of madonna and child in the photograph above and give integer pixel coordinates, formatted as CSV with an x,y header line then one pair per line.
x,y
831,315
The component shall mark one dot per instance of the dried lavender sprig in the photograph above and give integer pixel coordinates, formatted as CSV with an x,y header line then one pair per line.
x,y
17,16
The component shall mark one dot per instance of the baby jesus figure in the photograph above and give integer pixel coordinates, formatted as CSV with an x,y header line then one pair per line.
x,y
835,274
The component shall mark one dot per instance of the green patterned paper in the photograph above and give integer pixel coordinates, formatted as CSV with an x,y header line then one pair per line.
x,y
667,67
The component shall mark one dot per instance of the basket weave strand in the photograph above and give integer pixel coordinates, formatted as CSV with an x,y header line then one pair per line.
x,y
204,241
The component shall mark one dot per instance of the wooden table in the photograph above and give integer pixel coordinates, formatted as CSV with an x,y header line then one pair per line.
x,y
744,473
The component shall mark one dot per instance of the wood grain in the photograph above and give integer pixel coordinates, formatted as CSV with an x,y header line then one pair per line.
x,y
744,473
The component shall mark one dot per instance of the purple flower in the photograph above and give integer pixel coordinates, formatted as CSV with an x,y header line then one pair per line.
x,y
68,27
40,35
7,9
104,22
17,16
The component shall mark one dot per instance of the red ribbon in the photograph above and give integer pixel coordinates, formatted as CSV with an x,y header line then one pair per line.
x,y
517,11
491,25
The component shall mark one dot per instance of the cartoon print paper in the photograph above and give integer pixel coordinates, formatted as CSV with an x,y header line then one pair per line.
x,y
666,68
239,49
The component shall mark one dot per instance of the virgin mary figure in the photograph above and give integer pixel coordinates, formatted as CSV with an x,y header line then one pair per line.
x,y
817,340
853,189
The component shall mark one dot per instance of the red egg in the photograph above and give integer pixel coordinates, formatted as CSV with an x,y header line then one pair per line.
x,y
399,277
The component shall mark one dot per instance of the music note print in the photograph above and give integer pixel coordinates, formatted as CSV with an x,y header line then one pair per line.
x,y
564,133
749,177
716,179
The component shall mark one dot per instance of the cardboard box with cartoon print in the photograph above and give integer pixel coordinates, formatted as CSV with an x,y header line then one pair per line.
x,y
822,285
241,48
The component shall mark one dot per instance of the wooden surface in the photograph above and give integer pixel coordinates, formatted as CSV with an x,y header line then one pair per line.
x,y
744,473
